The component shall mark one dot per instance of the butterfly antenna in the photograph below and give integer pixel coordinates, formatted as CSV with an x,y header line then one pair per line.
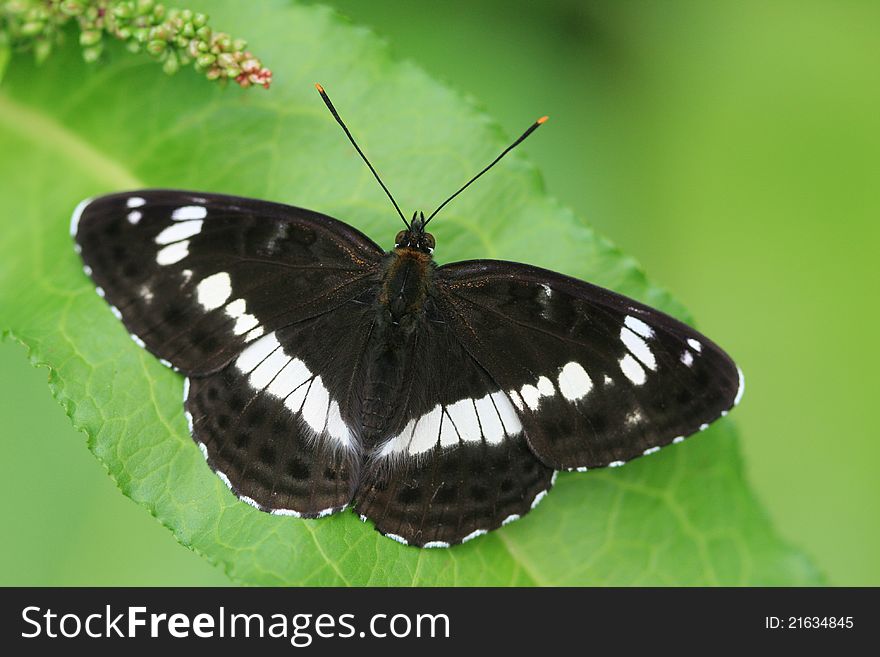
x,y
531,129
357,148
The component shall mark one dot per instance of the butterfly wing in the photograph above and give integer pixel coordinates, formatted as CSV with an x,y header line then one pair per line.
x,y
259,304
277,424
597,379
453,461
195,277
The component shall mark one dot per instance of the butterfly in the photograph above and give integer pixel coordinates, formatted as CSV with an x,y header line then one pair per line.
x,y
323,372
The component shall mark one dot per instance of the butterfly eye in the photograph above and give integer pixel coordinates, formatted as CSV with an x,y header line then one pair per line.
x,y
428,241
401,236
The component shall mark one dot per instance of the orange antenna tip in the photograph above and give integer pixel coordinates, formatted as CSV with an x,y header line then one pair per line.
x,y
321,89
543,119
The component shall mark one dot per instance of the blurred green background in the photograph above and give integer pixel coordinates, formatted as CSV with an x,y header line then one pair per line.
x,y
733,147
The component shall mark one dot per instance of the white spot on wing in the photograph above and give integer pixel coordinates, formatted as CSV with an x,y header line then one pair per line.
x,y
545,387
489,418
213,291
695,345
255,353
509,519
436,544
236,308
292,376
395,537
615,464
638,347
574,382
638,326
173,253
295,401
249,501
516,399
188,212
285,512
531,396
134,217
742,387
317,404
138,341
448,435
426,431
632,369
540,496
473,535
464,416
267,370
338,429
290,379
509,418
243,321
687,357
177,232
651,450
134,202
77,213
493,430
244,324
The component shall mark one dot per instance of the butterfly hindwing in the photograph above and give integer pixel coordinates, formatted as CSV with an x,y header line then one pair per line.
x,y
453,461
276,423
195,277
597,378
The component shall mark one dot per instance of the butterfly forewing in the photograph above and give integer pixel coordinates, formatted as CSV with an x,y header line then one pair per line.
x,y
597,378
195,277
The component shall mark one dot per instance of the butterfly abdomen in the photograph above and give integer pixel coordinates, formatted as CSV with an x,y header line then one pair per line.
x,y
400,307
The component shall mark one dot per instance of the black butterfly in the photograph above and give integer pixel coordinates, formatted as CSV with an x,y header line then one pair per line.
x,y
438,401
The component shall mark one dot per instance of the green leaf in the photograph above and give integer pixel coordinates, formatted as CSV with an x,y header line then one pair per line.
x,y
69,130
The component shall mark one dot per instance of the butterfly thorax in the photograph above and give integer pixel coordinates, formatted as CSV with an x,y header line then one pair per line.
x,y
405,284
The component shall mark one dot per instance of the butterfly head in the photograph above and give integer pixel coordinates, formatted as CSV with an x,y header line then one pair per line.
x,y
415,237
